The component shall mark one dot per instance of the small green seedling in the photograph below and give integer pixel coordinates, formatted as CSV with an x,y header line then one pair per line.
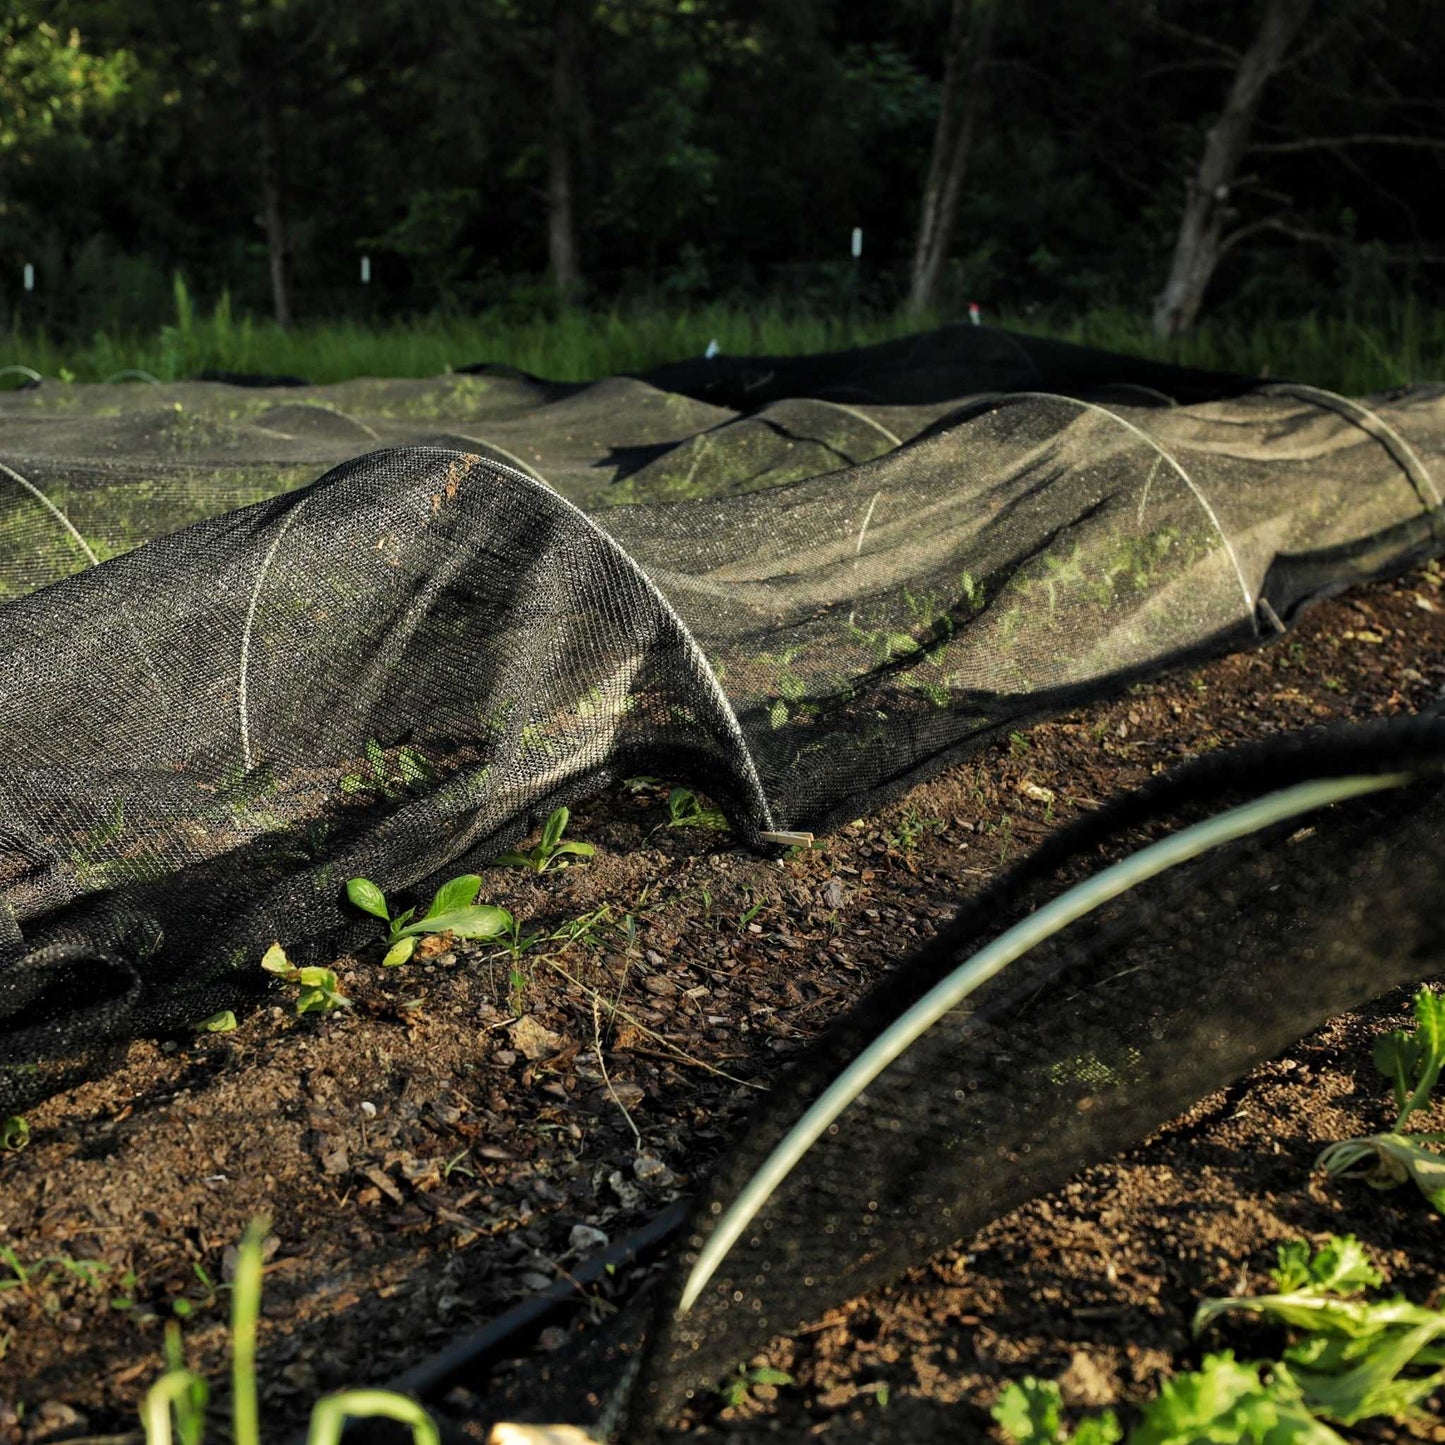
x,y
740,1386
550,847
318,993
686,810
223,1022
1412,1061
452,911
389,779
14,1133
174,1409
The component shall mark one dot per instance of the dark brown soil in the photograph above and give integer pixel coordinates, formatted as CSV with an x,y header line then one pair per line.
x,y
428,1155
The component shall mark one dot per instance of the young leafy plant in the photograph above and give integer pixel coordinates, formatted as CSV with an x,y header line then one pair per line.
x,y
550,847
14,1133
1348,1362
318,992
452,910
1412,1060
686,810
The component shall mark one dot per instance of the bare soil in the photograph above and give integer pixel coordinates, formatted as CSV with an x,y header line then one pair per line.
x,y
427,1156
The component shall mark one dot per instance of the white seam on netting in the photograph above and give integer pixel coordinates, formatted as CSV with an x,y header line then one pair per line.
x,y
1408,460
1184,476
699,658
53,510
987,963
861,416
863,530
243,677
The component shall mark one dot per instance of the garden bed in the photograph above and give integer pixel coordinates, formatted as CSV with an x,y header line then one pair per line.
x,y
428,1156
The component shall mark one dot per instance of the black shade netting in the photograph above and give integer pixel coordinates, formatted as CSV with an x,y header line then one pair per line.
x,y
213,714
1063,1016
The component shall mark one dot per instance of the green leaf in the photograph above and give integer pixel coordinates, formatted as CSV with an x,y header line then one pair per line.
x,y
581,850
555,827
1030,1412
1222,1401
459,893
1394,1159
512,860
14,1133
376,757
223,1022
1339,1265
274,960
399,952
481,921
766,1375
367,897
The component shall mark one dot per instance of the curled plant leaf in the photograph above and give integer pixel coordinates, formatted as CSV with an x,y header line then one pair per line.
x,y
274,960
1385,1161
459,893
368,897
482,920
14,1133
223,1022
399,952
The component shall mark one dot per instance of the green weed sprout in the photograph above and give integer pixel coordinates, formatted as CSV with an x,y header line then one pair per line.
x,y
736,1390
14,1133
1347,1364
452,911
1412,1061
180,1394
318,993
550,847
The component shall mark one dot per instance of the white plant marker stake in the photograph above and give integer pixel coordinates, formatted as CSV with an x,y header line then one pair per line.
x,y
975,314
29,276
712,349
857,242
366,270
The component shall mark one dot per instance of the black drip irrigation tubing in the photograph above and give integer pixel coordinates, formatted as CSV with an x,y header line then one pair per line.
x,y
507,1335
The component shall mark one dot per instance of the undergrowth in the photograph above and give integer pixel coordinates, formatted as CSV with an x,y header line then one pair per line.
x,y
1399,344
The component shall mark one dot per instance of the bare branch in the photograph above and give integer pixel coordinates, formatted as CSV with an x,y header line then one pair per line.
x,y
1330,142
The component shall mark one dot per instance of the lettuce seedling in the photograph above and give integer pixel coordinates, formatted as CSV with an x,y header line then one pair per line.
x,y
1412,1061
318,992
1348,1362
14,1133
452,911
550,847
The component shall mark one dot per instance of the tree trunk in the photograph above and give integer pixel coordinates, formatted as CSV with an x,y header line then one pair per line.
x,y
1201,240
273,208
952,144
562,249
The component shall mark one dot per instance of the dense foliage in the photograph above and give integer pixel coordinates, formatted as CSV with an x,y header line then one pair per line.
x,y
709,148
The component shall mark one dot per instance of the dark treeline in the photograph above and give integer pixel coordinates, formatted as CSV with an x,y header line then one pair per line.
x,y
1166,154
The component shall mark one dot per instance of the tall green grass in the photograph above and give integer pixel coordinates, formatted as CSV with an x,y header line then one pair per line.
x,y
1403,343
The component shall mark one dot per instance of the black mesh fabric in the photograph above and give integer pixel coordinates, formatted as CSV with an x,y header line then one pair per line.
x,y
223,691
1083,1044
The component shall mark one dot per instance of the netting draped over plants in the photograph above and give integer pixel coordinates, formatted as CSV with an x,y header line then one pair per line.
x,y
228,682
1066,1013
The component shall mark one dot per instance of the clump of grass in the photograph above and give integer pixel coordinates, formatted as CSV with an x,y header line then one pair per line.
x,y
175,1406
